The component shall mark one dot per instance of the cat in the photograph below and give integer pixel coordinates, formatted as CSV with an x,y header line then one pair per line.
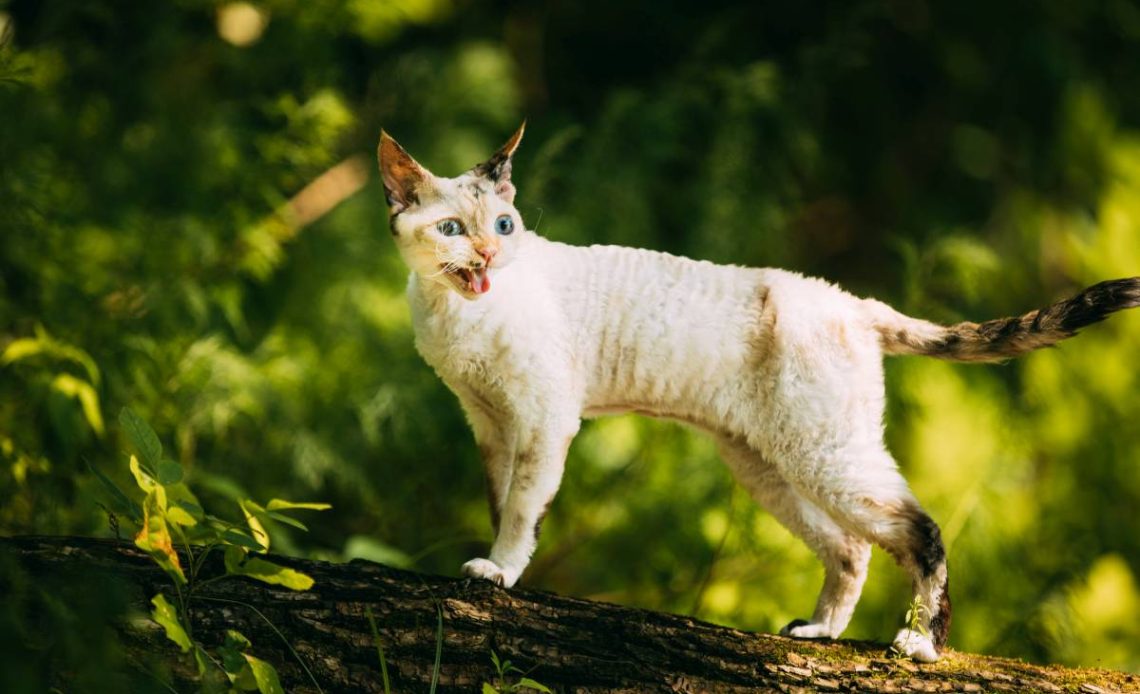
x,y
784,371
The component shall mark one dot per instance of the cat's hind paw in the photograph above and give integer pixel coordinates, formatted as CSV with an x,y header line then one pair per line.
x,y
801,629
915,645
489,570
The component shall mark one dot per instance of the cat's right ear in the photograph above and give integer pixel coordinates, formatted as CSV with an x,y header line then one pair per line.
x,y
403,176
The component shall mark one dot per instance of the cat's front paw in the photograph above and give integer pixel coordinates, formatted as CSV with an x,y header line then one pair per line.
x,y
915,645
489,570
801,629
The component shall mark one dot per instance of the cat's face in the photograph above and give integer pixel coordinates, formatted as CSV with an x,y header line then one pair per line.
x,y
454,231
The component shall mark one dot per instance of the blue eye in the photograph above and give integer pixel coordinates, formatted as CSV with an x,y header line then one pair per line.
x,y
450,227
504,225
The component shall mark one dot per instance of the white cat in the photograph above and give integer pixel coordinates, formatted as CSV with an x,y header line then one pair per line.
x,y
784,371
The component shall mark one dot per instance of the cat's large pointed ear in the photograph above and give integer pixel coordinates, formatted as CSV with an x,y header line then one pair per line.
x,y
498,168
403,176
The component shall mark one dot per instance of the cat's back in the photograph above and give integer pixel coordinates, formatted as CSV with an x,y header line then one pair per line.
x,y
650,281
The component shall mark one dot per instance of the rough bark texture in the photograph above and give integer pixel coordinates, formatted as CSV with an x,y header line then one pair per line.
x,y
567,644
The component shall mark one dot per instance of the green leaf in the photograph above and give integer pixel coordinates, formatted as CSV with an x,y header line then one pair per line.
x,y
265,676
169,472
167,617
142,437
282,518
238,537
268,572
154,536
120,502
528,682
88,400
191,508
489,689
251,512
236,640
233,660
179,516
142,477
22,349
281,505
202,659
234,556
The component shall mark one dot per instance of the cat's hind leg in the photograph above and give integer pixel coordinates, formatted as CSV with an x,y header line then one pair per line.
x,y
866,494
844,555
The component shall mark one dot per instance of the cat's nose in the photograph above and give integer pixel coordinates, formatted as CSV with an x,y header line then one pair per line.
x,y
488,254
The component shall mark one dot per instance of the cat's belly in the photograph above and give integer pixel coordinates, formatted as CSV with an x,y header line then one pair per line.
x,y
710,418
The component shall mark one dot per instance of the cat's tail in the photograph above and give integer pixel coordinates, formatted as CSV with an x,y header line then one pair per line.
x,y
1002,338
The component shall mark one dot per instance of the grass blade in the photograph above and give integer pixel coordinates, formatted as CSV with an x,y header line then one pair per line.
x,y
379,649
438,649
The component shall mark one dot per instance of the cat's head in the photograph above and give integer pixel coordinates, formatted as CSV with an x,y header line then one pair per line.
x,y
455,231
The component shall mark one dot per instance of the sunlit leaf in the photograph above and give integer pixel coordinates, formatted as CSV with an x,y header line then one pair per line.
x,y
189,507
265,675
142,478
528,682
142,437
167,617
237,537
22,349
43,343
489,689
88,400
268,572
178,515
154,537
281,505
248,508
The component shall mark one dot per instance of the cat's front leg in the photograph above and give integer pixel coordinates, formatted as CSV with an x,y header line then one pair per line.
x,y
496,449
535,477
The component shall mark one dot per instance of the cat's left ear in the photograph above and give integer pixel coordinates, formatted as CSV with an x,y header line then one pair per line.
x,y
497,169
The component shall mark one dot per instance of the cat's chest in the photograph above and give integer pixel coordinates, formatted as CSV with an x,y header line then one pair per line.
x,y
492,341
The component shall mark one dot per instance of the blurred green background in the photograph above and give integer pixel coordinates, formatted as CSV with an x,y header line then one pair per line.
x,y
960,160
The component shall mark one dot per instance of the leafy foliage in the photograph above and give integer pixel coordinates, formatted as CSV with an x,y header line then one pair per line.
x,y
506,671
960,160
171,512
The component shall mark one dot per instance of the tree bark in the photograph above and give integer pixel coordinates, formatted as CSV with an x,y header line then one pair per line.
x,y
567,644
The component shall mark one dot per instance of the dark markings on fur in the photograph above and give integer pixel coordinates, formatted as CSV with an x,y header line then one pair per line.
x,y
929,555
926,549
793,624
392,224
496,168
940,620
398,205
538,523
1003,338
846,566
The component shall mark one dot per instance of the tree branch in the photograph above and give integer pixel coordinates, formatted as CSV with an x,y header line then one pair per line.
x,y
567,644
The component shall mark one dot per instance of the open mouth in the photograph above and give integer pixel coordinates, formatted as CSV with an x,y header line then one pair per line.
x,y
473,280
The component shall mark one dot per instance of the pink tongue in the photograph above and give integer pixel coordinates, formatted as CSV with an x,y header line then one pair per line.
x,y
481,282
